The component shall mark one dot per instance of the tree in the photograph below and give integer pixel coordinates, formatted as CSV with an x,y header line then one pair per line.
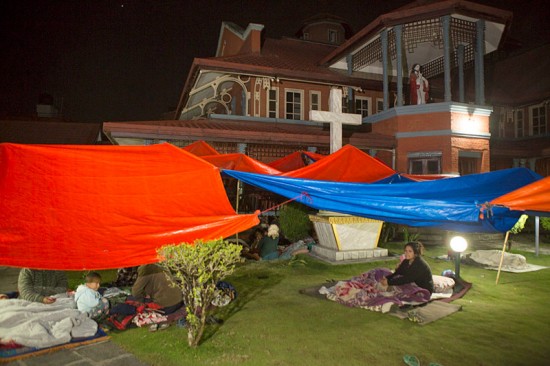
x,y
197,268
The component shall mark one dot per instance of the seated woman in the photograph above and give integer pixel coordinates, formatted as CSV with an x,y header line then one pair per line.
x,y
412,269
153,284
269,246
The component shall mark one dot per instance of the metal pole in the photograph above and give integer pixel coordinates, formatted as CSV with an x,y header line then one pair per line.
x,y
537,224
457,264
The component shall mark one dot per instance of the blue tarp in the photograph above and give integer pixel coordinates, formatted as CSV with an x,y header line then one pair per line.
x,y
457,204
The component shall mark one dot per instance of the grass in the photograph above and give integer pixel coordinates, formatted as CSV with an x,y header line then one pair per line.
x,y
271,323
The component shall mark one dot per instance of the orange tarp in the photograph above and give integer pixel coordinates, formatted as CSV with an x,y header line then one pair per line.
x,y
532,197
97,207
295,161
349,164
240,162
200,148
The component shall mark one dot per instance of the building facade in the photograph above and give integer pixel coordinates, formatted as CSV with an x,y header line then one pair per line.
x,y
254,96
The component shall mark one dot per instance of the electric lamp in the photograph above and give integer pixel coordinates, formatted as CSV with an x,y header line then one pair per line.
x,y
458,245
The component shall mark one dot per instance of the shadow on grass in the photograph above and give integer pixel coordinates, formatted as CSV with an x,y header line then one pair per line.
x,y
251,280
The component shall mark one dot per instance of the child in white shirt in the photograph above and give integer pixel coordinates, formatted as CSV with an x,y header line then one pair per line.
x,y
89,300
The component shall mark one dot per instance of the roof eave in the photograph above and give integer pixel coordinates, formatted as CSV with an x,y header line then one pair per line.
x,y
430,11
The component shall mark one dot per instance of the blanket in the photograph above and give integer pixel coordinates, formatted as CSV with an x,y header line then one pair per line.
x,y
365,292
511,262
40,325
428,313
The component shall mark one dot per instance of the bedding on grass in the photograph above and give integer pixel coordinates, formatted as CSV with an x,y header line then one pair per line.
x,y
490,259
364,291
38,325
412,302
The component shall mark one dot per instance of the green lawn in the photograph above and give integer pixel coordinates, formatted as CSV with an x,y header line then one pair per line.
x,y
271,323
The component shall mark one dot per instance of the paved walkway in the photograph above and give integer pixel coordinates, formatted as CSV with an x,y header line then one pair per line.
x,y
97,354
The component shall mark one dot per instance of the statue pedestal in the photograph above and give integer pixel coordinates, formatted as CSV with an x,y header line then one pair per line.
x,y
346,238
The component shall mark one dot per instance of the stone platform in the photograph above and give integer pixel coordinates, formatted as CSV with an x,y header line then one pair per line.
x,y
346,238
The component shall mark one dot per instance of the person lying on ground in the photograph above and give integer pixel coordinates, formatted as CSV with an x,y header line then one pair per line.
x,y
41,285
412,269
89,300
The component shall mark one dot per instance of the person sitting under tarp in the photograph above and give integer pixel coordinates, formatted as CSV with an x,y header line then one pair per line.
x,y
269,246
153,284
89,300
413,269
41,285
251,251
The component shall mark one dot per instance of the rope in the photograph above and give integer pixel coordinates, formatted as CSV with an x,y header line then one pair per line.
x,y
303,194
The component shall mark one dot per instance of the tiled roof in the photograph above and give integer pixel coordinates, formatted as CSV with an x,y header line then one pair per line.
x,y
286,57
286,53
246,132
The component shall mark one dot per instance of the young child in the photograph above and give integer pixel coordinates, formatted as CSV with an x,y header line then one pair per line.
x,y
89,300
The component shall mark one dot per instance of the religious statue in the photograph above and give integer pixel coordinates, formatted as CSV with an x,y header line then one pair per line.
x,y
419,86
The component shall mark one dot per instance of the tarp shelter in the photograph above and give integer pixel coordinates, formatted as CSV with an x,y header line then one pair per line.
x,y
533,198
200,148
451,204
240,162
349,164
296,160
97,207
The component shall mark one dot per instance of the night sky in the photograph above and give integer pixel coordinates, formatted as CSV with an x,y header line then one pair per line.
x,y
113,60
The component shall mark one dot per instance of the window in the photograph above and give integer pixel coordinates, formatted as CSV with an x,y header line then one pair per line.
x,y
332,36
273,103
315,100
538,120
294,104
362,106
379,105
469,162
519,123
425,163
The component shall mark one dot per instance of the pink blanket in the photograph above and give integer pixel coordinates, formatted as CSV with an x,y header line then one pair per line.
x,y
365,292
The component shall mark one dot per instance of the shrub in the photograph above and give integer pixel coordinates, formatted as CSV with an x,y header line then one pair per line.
x,y
197,268
294,221
408,236
388,232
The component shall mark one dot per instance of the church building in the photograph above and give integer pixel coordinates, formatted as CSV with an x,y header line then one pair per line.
x,y
414,76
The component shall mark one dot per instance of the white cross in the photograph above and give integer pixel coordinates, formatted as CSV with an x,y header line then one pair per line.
x,y
336,118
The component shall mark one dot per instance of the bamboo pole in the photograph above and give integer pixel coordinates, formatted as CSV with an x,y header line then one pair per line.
x,y
502,256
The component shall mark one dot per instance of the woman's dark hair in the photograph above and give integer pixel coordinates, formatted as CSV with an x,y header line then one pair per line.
x,y
417,247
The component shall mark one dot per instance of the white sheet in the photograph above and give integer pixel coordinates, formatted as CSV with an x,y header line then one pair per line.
x,y
40,325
